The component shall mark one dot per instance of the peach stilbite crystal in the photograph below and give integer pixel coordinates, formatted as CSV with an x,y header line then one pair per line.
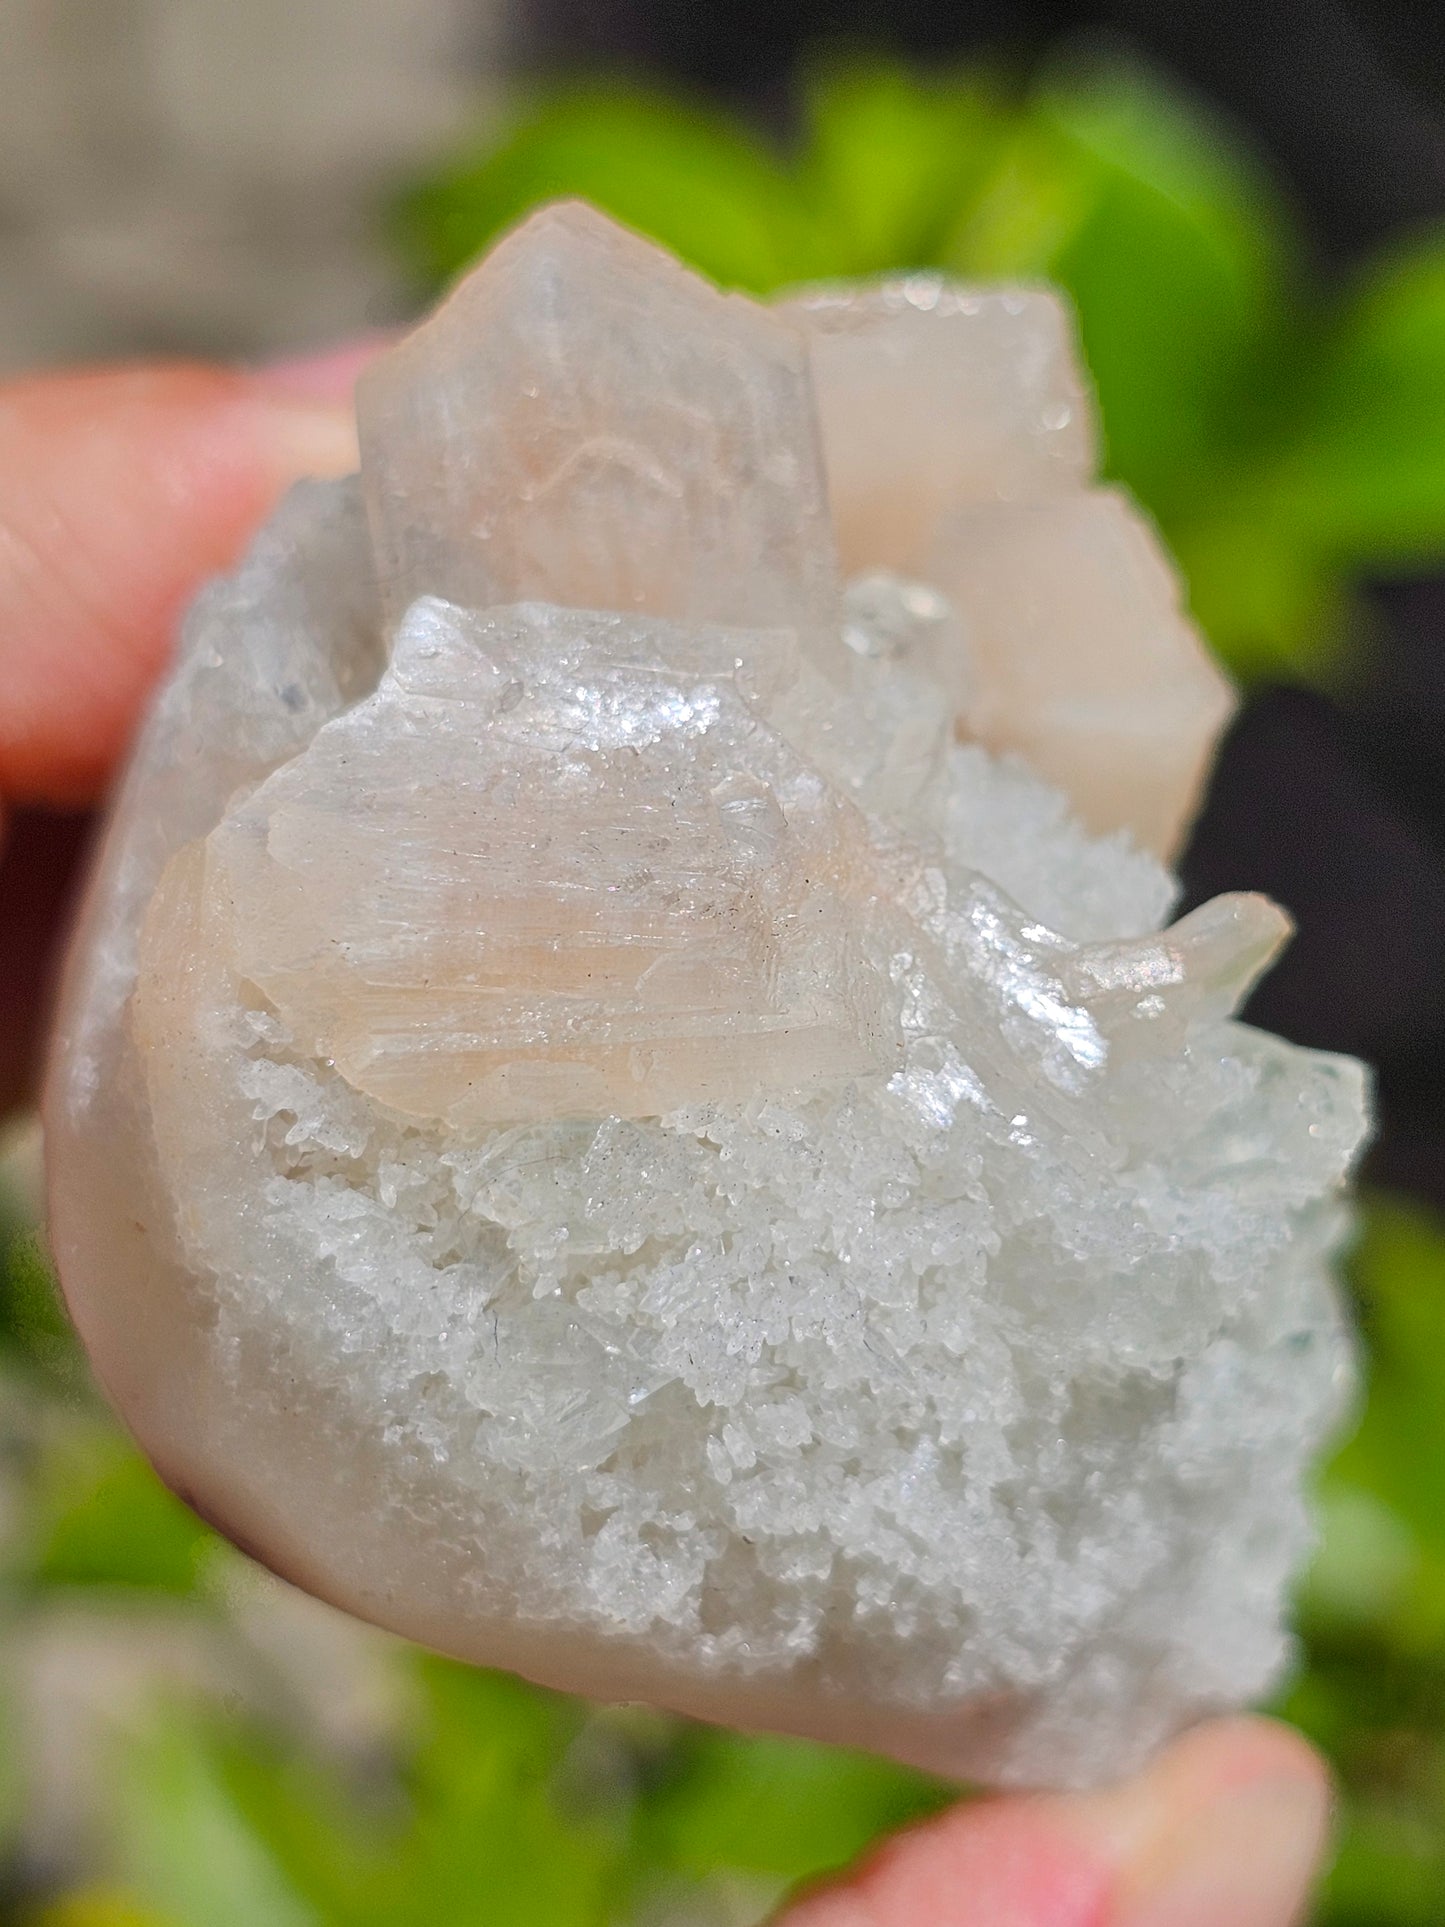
x,y
669,467
599,1120
959,447
933,396
674,921
1082,659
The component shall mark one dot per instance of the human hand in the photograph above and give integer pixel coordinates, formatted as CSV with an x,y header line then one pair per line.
x,y
120,492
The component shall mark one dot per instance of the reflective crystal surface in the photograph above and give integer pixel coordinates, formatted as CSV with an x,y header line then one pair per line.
x,y
664,459
626,1102
932,395
625,894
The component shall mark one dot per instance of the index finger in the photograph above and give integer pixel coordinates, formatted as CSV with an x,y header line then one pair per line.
x,y
121,490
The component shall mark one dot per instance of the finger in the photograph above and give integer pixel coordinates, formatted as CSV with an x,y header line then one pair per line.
x,y
1228,1826
120,491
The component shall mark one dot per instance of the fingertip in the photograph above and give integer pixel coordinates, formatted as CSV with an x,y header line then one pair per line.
x,y
1206,1763
1253,1745
121,490
1228,1825
1007,1862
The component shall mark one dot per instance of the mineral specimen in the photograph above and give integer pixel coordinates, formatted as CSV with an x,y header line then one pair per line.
x,y
599,1118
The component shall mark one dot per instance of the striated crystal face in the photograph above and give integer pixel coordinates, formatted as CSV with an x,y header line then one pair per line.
x,y
624,1103
665,463
604,887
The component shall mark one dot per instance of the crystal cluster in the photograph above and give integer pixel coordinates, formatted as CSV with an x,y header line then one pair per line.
x,y
623,1104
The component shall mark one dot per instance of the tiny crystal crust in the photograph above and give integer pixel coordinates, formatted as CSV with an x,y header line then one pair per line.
x,y
624,1104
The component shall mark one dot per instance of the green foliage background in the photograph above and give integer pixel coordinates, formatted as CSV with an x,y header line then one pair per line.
x,y
1284,434
1287,435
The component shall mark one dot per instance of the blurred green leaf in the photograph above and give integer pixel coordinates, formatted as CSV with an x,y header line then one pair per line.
x,y
891,158
689,178
1363,476
1398,1452
327,1847
471,1836
1366,1562
479,1724
779,1806
487,1843
1174,254
1379,1715
1372,1613
1387,1871
34,1328
1270,606
183,1843
108,1521
97,1907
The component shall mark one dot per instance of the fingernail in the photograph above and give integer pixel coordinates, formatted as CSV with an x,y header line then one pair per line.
x,y
304,438
1246,1857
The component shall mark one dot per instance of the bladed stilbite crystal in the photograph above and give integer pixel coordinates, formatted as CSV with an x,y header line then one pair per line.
x,y
678,918
670,467
900,368
959,444
614,1110
1081,658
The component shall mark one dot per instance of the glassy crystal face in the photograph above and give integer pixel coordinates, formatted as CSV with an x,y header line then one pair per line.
x,y
624,895
625,1105
666,463
900,368
1081,658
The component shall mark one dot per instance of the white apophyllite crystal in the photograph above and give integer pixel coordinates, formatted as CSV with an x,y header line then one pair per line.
x,y
599,1123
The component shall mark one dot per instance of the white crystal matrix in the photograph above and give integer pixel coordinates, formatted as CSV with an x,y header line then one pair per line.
x,y
622,1108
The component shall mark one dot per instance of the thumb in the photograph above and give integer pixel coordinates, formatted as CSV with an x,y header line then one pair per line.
x,y
120,490
1225,1829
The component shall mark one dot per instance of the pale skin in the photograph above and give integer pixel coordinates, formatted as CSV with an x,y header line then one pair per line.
x,y
121,490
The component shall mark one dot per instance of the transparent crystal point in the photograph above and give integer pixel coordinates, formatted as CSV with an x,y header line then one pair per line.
x,y
1201,968
585,422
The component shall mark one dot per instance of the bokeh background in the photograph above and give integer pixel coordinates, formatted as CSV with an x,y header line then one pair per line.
x,y
1247,204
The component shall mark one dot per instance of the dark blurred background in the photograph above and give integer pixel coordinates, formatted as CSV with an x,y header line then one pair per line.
x,y
1347,102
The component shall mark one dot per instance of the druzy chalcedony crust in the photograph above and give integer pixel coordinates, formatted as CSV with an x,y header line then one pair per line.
x,y
598,1121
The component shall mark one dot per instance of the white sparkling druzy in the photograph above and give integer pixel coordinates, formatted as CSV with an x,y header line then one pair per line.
x,y
623,1141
